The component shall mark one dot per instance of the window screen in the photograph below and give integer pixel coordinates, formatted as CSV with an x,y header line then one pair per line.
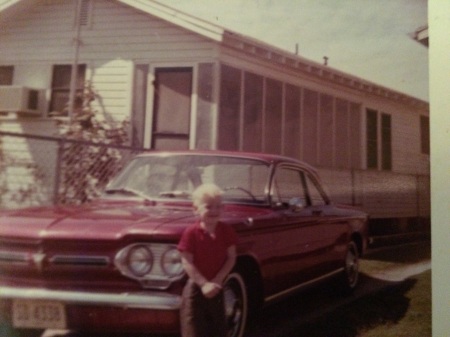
x,y
6,75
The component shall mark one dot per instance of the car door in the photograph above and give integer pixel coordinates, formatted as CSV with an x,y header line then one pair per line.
x,y
302,239
332,224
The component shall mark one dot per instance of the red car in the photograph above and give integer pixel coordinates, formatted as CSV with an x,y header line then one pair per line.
x,y
112,264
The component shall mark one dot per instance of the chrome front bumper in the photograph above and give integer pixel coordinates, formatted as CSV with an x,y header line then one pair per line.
x,y
135,300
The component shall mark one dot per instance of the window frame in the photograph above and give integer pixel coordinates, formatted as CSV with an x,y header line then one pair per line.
x,y
6,75
425,135
379,154
57,89
304,177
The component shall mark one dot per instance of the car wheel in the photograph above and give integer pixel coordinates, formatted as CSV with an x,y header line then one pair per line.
x,y
350,276
236,304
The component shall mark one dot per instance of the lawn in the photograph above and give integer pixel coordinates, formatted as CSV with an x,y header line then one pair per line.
x,y
400,310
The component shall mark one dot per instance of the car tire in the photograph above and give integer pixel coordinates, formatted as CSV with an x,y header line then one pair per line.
x,y
236,304
350,274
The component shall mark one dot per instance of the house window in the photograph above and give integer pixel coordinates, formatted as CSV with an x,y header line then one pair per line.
x,y
372,139
386,142
61,87
6,75
425,134
379,140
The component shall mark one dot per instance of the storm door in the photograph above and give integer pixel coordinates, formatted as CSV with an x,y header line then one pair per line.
x,y
172,108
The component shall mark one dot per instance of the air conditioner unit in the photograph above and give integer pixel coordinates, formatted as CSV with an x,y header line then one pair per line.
x,y
20,99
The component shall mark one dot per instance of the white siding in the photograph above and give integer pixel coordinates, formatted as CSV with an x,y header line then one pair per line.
x,y
406,150
26,181
46,32
117,38
381,194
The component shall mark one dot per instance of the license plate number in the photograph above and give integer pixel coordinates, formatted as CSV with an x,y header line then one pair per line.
x,y
38,314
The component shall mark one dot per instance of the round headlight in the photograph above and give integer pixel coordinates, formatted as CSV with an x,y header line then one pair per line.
x,y
140,260
171,263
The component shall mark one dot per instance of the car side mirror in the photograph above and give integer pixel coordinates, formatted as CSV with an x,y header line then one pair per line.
x,y
296,204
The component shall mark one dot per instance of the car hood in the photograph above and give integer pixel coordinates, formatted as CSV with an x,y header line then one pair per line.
x,y
98,221
111,221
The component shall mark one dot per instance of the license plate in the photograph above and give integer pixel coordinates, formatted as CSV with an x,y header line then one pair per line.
x,y
38,314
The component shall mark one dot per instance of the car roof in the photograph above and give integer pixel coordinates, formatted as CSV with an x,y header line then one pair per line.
x,y
266,157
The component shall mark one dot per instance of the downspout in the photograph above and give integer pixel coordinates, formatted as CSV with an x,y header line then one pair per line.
x,y
73,77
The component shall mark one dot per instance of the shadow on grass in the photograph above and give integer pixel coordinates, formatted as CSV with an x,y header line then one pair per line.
x,y
322,312
402,254
387,306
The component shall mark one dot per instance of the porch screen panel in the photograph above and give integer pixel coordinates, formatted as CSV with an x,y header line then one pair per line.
x,y
204,129
273,115
342,142
292,121
355,135
310,139
253,103
230,101
326,131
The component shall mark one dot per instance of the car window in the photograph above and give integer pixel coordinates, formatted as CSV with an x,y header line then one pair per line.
x,y
176,176
315,195
287,184
236,178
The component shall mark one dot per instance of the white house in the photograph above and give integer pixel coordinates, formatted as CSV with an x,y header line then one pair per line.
x,y
185,83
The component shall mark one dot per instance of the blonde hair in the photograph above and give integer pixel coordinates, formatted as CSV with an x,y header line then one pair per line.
x,y
206,192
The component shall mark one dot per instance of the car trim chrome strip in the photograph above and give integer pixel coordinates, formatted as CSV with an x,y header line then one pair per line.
x,y
135,300
302,285
14,258
78,260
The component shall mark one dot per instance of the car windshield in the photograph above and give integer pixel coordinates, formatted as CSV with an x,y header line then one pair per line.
x,y
176,176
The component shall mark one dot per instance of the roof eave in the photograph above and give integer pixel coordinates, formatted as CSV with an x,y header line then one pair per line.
x,y
178,18
300,64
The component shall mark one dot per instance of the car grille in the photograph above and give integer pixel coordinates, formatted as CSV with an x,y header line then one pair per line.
x,y
27,253
71,260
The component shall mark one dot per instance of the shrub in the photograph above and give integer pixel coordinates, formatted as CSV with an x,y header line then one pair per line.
x,y
88,157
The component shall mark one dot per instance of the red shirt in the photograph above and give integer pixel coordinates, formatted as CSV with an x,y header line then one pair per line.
x,y
209,253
